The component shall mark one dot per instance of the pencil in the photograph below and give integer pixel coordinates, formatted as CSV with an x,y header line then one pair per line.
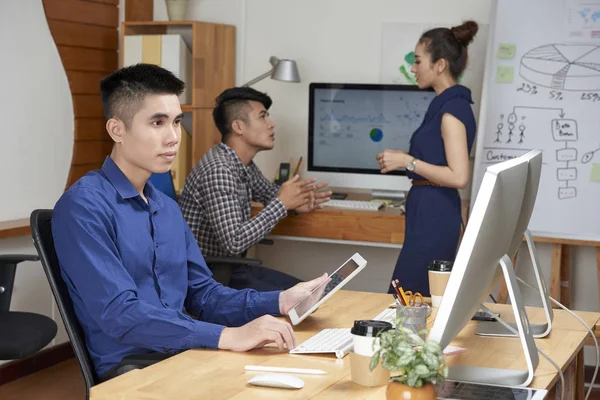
x,y
297,167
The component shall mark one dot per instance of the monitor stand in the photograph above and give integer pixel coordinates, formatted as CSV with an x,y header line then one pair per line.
x,y
388,194
499,376
539,330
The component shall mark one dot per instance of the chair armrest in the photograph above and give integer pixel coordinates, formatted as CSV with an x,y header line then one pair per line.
x,y
232,260
14,259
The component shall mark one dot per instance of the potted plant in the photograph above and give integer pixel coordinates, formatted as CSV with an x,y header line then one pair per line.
x,y
416,365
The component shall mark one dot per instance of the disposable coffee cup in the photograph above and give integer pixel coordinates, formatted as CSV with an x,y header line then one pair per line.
x,y
364,335
439,273
366,343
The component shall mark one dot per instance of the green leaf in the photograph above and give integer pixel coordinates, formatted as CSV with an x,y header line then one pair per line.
x,y
405,359
431,361
421,370
412,380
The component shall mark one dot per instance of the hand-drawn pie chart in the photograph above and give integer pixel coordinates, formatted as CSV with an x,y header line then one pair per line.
x,y
563,66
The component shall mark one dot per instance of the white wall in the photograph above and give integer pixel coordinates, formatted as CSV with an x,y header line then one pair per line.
x,y
339,41
37,139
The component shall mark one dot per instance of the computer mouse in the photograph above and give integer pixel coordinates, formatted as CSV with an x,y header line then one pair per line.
x,y
283,381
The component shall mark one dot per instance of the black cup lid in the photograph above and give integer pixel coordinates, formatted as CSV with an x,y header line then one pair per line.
x,y
441,266
369,328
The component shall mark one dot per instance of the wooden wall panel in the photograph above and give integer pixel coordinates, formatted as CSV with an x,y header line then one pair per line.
x,y
81,35
87,106
84,82
77,171
83,59
90,129
90,152
83,12
86,35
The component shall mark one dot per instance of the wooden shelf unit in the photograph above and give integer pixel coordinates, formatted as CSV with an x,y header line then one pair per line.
x,y
213,70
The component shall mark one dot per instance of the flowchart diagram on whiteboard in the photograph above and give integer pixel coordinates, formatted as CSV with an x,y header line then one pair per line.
x,y
542,91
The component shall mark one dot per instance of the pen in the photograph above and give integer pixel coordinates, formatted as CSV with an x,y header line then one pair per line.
x,y
399,296
261,368
297,167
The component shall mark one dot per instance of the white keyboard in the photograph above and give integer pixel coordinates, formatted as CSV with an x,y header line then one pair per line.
x,y
354,204
336,340
386,315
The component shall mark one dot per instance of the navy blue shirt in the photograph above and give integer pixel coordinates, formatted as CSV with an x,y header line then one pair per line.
x,y
131,267
427,143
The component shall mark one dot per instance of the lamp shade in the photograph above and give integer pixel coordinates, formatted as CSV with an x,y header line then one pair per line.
x,y
282,70
287,71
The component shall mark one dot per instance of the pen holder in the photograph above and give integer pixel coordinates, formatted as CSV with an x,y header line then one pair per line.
x,y
415,319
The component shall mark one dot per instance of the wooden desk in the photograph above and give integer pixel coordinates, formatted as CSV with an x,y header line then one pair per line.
x,y
383,226
200,374
17,227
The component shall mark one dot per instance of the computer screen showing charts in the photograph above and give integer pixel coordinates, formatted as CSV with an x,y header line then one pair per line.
x,y
350,123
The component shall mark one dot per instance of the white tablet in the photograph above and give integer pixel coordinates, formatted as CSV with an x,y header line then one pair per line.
x,y
321,293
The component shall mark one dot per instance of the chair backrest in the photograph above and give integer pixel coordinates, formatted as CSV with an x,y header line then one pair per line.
x,y
164,183
41,231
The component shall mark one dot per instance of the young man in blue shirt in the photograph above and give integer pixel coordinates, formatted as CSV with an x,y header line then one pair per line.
x,y
132,266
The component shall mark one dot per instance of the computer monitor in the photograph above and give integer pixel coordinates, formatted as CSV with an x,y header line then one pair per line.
x,y
350,123
487,240
534,171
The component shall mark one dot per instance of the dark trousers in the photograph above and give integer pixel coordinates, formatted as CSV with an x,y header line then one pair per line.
x,y
118,370
261,279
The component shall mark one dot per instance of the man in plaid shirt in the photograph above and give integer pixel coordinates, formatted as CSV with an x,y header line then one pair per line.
x,y
216,198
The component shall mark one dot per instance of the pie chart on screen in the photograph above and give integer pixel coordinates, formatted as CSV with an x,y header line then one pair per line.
x,y
376,135
563,66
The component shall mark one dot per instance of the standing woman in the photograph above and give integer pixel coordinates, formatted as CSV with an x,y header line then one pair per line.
x,y
438,158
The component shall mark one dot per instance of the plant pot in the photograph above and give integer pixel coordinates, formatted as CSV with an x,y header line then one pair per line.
x,y
176,9
400,391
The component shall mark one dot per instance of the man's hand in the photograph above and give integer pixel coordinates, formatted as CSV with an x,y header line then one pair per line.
x,y
289,298
296,193
390,160
317,199
258,333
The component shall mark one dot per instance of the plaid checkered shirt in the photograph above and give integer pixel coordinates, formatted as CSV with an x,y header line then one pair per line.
x,y
216,202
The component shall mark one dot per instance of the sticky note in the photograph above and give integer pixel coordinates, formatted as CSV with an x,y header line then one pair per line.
x,y
504,74
506,51
595,175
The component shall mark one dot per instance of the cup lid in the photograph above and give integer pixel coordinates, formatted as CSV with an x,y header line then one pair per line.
x,y
369,328
441,266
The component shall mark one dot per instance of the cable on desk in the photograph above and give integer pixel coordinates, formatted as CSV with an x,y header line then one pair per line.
x,y
515,332
589,392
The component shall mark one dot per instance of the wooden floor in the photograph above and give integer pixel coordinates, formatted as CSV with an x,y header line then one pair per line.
x,y
60,382
64,382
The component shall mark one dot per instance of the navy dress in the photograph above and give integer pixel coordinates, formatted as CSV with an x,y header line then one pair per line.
x,y
433,214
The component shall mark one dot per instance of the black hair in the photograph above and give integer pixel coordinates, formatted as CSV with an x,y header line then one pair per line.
x,y
450,45
233,104
124,90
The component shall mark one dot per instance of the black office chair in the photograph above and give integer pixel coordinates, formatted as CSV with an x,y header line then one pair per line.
x,y
21,333
41,230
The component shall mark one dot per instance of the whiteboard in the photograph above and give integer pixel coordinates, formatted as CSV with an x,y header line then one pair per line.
x,y
542,91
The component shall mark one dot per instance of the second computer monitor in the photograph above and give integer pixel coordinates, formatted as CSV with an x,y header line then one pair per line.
x,y
349,124
487,238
